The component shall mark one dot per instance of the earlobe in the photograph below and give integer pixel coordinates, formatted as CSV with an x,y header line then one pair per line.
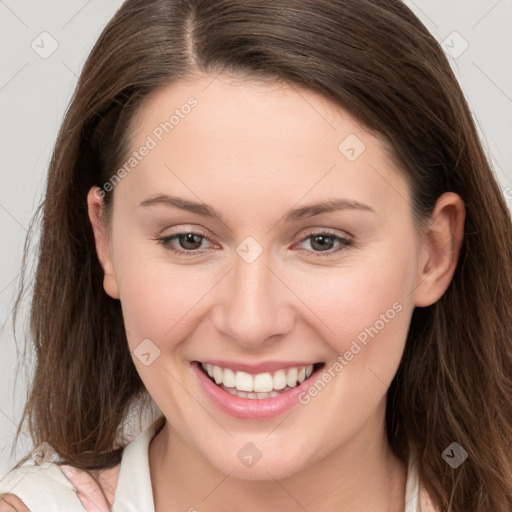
x,y
440,249
95,208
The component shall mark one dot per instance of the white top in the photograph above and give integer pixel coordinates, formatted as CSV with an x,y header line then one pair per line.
x,y
44,488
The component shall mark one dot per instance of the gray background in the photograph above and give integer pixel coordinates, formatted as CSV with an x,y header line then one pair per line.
x,y
35,89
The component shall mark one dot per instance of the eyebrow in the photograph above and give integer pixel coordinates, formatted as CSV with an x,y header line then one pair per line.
x,y
311,210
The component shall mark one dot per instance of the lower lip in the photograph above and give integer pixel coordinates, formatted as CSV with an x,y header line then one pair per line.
x,y
247,408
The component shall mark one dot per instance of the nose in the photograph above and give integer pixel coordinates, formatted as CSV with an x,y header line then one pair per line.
x,y
254,307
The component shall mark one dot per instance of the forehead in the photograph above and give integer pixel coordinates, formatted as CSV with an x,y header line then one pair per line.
x,y
218,134
247,112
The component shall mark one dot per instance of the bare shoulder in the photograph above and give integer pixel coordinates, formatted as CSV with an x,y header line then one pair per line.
x,y
107,480
11,503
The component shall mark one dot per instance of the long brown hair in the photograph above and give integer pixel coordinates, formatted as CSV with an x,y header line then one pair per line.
x,y
379,62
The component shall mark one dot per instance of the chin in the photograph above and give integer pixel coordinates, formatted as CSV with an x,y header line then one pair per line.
x,y
252,464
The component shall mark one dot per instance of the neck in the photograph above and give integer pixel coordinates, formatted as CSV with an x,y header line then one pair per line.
x,y
360,475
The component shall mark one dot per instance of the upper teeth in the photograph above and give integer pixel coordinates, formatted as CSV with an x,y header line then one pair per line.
x,y
260,383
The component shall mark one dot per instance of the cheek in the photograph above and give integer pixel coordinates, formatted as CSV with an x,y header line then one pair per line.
x,y
153,294
156,300
362,299
363,309
363,314
370,305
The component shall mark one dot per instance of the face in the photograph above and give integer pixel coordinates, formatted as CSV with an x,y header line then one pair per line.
x,y
219,256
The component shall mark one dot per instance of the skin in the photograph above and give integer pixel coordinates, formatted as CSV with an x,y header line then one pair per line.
x,y
94,489
254,151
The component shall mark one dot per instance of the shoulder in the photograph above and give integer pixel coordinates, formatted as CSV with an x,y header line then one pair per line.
x,y
11,503
40,488
98,482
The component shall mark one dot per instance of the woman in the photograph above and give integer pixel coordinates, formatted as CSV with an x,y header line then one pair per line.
x,y
271,220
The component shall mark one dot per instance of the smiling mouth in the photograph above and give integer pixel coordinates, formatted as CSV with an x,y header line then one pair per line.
x,y
259,386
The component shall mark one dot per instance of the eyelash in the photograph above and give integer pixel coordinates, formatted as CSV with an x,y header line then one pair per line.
x,y
344,241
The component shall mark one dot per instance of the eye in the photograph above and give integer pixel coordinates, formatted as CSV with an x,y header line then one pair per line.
x,y
188,242
322,243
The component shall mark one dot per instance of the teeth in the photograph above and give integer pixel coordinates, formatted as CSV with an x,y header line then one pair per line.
x,y
243,381
229,378
252,396
261,385
291,377
280,379
218,374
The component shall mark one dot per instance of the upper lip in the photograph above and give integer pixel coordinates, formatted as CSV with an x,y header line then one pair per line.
x,y
255,368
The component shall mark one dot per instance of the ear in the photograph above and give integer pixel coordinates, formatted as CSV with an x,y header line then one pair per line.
x,y
95,208
440,249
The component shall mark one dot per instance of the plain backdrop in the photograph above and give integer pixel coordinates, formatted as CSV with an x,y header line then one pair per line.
x,y
42,49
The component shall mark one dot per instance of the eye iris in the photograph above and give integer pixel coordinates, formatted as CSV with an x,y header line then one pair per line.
x,y
190,238
322,242
192,241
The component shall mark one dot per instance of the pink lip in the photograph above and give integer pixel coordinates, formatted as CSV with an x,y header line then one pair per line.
x,y
246,408
254,369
